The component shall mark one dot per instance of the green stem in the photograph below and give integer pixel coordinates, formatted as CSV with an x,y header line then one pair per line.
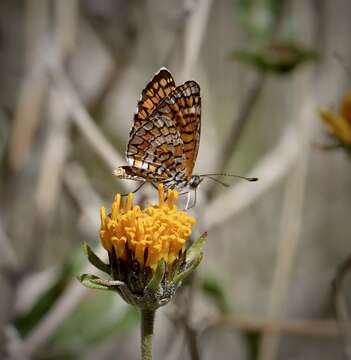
x,y
147,328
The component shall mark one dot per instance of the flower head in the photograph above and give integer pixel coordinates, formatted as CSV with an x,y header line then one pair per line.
x,y
339,125
147,248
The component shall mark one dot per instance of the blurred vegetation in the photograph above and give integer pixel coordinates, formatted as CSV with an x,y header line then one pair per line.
x,y
72,72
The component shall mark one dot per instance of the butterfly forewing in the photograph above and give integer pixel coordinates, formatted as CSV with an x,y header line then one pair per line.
x,y
156,145
161,85
164,139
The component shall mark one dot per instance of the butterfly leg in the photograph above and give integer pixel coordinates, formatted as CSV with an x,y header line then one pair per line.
x,y
187,207
138,188
188,201
155,186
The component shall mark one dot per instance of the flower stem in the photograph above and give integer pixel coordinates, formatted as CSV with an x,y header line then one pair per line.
x,y
147,328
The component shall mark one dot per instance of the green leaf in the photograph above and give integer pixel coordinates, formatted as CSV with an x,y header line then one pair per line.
x,y
45,300
94,282
259,17
158,276
214,289
95,260
279,58
98,317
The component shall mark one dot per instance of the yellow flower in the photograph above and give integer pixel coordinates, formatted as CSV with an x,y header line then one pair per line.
x,y
148,253
149,235
148,258
339,124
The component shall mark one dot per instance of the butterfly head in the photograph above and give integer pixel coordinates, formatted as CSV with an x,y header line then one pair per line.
x,y
195,181
119,172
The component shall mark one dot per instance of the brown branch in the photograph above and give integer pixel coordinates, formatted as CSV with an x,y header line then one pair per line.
x,y
341,310
27,117
74,292
54,155
292,213
246,108
82,119
180,316
271,169
191,336
239,123
66,25
33,87
191,333
238,127
308,328
194,34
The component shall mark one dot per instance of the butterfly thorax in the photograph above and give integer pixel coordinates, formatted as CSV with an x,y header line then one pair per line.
x,y
181,183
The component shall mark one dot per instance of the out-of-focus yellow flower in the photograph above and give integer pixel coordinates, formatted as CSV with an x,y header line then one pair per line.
x,y
149,235
339,124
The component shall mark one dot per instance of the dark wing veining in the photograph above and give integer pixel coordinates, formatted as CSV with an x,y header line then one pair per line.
x,y
161,85
185,103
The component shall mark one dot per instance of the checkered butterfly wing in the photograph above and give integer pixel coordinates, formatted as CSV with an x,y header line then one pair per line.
x,y
186,105
161,85
164,144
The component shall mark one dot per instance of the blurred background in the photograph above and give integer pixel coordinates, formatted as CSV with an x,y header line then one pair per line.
x,y
71,74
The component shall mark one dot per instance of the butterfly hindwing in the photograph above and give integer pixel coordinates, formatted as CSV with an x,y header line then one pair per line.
x,y
185,103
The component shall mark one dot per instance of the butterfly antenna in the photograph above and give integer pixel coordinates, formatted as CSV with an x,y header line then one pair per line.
x,y
231,175
217,181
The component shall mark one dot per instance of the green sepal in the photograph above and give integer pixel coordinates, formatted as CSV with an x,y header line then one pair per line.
x,y
156,279
95,260
188,270
193,258
196,249
94,282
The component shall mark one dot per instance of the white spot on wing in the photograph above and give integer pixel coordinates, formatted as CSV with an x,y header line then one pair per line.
x,y
162,68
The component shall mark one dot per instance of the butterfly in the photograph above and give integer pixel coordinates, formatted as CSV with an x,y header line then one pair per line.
x,y
165,135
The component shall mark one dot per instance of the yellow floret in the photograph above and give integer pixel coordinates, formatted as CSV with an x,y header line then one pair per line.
x,y
339,124
154,233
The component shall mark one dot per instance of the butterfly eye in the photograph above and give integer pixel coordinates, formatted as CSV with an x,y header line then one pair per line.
x,y
119,172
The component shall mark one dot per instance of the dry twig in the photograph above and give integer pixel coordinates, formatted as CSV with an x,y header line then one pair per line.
x,y
74,292
311,328
33,88
235,133
291,219
270,170
194,33
82,119
341,310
